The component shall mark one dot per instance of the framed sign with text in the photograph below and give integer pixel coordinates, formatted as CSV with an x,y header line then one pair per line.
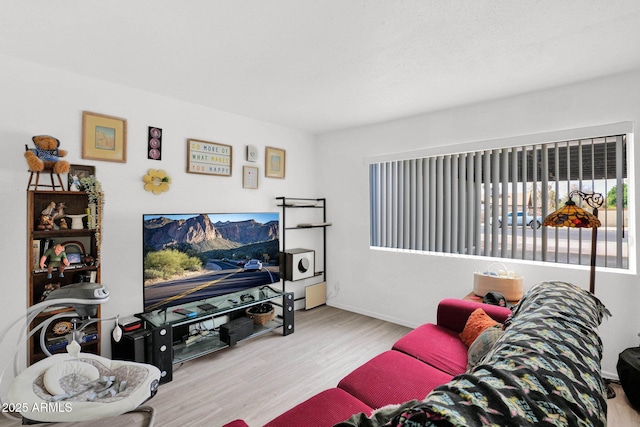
x,y
208,158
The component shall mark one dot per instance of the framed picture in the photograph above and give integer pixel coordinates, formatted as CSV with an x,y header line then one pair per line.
x,y
104,137
250,177
76,173
154,147
209,158
274,162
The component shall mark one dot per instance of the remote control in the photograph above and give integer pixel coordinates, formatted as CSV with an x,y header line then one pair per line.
x,y
185,312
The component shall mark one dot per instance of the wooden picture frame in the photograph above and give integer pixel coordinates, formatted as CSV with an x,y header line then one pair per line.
x,y
274,162
76,173
250,177
104,137
209,158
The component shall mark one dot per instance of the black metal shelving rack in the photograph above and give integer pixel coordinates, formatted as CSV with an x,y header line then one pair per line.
x,y
304,203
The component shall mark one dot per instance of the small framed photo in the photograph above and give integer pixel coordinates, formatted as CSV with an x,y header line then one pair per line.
x,y
104,137
274,162
250,177
209,158
76,173
74,251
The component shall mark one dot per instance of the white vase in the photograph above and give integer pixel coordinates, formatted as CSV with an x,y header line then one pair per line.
x,y
76,221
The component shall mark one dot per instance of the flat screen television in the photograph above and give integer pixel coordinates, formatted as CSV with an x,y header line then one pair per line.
x,y
192,257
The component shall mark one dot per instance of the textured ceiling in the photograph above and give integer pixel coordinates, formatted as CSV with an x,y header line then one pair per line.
x,y
324,65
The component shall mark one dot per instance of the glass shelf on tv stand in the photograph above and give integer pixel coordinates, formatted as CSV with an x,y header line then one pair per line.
x,y
183,352
224,304
209,343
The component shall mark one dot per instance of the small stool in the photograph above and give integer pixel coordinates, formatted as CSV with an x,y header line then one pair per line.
x,y
53,184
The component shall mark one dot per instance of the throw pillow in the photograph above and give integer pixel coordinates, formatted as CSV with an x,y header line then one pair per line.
x,y
483,344
477,322
57,372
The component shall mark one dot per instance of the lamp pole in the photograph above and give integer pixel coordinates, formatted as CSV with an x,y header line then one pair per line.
x,y
595,200
592,274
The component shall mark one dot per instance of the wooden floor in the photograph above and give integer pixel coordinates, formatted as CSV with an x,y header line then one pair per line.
x,y
261,378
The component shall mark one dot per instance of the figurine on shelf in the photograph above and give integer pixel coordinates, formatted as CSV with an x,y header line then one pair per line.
x,y
47,290
57,258
63,224
89,260
58,212
48,211
46,223
74,184
54,211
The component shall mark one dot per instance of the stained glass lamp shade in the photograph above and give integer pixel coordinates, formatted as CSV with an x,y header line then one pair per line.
x,y
571,215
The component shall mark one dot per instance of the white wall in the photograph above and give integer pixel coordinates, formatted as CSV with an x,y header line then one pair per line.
x,y
405,288
36,100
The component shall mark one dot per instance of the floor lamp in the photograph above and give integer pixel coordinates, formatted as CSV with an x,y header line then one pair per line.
x,y
571,215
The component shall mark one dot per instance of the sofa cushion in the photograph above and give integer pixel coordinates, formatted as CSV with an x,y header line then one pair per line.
x,y
477,322
236,423
439,347
326,408
453,313
392,377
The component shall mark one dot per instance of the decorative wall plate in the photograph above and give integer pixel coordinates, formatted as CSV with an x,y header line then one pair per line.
x,y
157,181
61,328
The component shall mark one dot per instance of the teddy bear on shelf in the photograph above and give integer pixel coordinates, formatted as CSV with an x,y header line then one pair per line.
x,y
47,155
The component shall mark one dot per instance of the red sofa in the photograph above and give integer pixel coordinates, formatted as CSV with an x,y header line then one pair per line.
x,y
426,357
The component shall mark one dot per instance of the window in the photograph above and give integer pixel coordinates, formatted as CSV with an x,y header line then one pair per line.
x,y
492,202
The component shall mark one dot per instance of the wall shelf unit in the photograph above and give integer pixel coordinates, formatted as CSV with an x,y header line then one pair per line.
x,y
293,265
82,247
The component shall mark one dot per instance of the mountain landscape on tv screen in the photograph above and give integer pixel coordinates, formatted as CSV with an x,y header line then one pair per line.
x,y
201,235
193,257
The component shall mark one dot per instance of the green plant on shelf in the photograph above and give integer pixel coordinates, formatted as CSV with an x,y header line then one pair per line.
x,y
93,188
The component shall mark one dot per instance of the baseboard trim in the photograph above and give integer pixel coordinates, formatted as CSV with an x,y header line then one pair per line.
x,y
372,314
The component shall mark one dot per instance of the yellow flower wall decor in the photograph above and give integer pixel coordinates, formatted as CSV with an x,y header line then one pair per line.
x,y
157,181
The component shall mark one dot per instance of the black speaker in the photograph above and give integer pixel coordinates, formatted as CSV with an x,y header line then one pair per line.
x,y
161,351
287,313
236,330
132,346
296,264
629,374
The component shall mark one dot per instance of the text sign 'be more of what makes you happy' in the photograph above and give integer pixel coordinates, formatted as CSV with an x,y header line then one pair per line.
x,y
208,158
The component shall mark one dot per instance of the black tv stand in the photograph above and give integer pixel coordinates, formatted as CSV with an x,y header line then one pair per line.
x,y
163,324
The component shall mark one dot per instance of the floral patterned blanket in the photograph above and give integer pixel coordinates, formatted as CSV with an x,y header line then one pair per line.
x,y
543,371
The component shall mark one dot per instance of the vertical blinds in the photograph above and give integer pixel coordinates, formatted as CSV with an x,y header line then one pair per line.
x,y
492,202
